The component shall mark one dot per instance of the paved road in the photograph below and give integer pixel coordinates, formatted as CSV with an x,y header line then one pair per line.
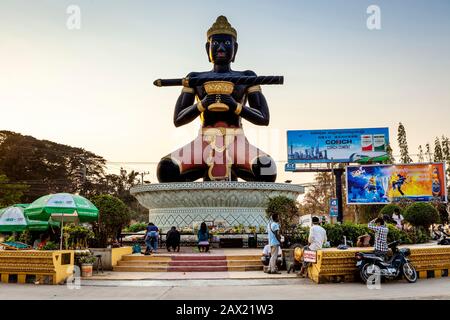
x,y
262,289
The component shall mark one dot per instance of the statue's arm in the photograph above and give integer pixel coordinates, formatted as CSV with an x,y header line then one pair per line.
x,y
257,111
185,109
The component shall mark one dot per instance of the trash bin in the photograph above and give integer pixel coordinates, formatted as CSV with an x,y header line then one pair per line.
x,y
252,241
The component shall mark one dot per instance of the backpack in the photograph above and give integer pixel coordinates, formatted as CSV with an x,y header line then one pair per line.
x,y
136,248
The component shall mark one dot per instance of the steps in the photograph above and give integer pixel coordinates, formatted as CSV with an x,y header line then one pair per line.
x,y
188,263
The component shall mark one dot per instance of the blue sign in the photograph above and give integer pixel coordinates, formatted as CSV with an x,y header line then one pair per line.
x,y
333,207
338,145
289,167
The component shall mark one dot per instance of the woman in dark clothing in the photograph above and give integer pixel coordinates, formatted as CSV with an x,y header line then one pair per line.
x,y
203,238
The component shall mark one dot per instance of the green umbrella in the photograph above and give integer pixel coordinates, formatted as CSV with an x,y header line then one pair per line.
x,y
13,219
63,207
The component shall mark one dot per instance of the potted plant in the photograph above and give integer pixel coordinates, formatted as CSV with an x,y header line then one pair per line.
x,y
87,263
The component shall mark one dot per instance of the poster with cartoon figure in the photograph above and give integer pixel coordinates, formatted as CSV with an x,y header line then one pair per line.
x,y
378,184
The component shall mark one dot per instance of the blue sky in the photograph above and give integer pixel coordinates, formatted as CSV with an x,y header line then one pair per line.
x,y
93,87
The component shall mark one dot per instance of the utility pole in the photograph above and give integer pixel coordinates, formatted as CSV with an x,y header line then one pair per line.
x,y
144,173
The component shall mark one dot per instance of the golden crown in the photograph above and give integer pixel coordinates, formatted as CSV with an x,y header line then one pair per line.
x,y
221,26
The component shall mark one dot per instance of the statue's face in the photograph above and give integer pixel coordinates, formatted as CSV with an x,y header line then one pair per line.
x,y
221,48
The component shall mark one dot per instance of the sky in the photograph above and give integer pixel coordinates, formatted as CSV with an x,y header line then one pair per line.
x,y
92,87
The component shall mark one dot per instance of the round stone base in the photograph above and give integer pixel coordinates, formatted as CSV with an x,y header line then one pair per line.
x,y
229,203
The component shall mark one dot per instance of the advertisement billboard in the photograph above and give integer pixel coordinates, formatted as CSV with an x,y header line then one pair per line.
x,y
379,184
338,145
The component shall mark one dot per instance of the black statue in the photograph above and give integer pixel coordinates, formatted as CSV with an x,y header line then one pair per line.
x,y
221,151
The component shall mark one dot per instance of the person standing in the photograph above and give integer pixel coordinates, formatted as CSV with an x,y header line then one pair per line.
x,y
274,235
316,239
398,218
381,232
151,238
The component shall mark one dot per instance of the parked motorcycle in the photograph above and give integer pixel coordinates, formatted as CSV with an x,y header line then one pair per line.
x,y
442,237
397,266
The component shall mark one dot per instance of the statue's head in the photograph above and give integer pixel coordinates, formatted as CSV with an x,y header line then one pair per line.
x,y
221,45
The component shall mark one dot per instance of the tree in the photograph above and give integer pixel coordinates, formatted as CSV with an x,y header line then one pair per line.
x,y
317,198
286,208
428,148
446,148
403,145
48,167
446,156
389,152
421,155
438,156
10,193
114,215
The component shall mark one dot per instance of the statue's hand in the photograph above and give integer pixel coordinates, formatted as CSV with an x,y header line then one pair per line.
x,y
208,100
229,101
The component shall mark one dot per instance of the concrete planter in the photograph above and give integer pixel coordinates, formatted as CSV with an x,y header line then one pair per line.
x,y
110,256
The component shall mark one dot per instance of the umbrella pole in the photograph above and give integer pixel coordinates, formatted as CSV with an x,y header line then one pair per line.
x,y
61,236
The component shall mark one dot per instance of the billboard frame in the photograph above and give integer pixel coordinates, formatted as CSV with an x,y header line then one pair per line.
x,y
341,161
394,164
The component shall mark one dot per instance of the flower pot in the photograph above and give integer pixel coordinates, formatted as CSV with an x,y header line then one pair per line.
x,y
86,269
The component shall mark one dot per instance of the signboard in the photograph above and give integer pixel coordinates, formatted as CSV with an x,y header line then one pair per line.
x,y
333,207
305,220
310,256
379,184
289,167
338,145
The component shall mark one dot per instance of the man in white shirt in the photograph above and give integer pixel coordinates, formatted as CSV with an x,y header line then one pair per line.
x,y
316,240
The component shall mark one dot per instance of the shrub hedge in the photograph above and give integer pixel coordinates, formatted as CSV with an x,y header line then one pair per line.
x,y
421,214
336,233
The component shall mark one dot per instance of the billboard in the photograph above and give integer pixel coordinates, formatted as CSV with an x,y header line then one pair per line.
x,y
338,145
380,184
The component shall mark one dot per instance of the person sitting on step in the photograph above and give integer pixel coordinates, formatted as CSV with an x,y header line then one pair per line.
x,y
203,238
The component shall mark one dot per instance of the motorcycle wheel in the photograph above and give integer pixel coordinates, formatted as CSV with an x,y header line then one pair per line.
x,y
409,272
368,270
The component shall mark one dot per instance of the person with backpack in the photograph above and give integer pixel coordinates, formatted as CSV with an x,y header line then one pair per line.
x,y
274,235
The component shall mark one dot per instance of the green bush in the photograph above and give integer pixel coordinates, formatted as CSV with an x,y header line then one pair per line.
x,y
419,235
352,231
389,209
50,245
300,235
136,227
335,233
398,235
421,214
286,208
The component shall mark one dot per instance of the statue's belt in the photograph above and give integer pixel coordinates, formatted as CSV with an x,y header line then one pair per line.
x,y
221,131
219,139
